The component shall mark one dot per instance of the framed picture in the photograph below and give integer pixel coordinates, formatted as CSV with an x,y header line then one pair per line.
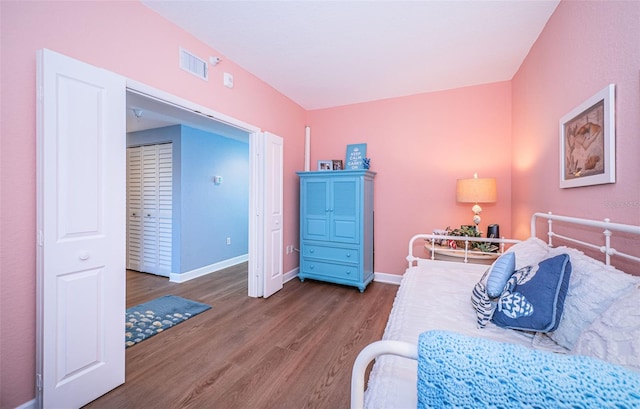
x,y
325,165
337,164
355,156
588,142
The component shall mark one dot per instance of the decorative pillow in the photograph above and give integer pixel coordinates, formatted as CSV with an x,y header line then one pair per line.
x,y
592,288
499,272
481,302
614,336
533,297
529,252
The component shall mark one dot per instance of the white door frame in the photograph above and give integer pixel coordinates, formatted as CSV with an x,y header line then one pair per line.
x,y
256,189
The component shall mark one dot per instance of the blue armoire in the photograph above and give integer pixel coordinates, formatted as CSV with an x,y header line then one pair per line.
x,y
336,226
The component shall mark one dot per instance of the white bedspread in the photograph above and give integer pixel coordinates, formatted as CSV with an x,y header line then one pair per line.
x,y
434,295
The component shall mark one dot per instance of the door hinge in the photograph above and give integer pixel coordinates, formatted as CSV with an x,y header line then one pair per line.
x,y
40,239
39,381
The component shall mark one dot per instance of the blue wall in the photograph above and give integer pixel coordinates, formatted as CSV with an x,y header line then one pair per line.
x,y
205,214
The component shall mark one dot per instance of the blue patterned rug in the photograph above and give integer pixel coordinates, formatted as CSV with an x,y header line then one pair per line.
x,y
148,319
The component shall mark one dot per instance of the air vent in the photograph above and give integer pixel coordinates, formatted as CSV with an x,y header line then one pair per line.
x,y
193,64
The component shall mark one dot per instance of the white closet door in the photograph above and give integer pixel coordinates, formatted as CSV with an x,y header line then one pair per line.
x,y
150,208
134,207
165,208
149,255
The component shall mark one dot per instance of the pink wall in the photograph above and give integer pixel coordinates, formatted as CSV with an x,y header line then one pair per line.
x,y
419,145
584,47
127,38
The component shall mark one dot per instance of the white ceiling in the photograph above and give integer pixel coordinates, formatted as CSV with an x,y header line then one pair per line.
x,y
331,53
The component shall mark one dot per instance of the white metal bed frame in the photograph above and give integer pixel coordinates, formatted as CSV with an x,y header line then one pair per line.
x,y
408,350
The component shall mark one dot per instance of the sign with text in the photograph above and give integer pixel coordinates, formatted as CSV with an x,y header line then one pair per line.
x,y
355,156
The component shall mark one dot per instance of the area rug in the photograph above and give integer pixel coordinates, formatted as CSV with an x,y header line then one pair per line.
x,y
148,319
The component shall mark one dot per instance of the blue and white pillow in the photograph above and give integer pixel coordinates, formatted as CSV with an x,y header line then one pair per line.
x,y
481,302
533,298
499,272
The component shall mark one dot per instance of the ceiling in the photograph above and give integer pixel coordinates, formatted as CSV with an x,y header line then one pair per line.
x,y
324,54
144,112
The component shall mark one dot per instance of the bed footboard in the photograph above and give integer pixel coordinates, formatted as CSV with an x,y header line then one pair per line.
x,y
366,356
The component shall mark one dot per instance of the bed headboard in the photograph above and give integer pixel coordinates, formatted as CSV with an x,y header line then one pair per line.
x,y
607,226
573,225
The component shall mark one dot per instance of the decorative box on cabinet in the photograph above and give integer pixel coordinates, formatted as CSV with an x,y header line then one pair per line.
x,y
336,227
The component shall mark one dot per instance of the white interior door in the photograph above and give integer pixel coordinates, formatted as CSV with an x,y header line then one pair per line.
x,y
81,231
134,208
149,208
273,197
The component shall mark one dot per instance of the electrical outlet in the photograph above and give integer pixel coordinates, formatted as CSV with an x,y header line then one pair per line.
x,y
228,241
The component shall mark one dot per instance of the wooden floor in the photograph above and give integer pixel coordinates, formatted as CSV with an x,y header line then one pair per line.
x,y
294,349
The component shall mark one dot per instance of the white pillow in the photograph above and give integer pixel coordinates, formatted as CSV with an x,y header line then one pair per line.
x,y
529,252
614,336
592,288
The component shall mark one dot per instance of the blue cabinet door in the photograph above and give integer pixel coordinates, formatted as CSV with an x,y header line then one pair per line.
x,y
330,209
345,210
315,208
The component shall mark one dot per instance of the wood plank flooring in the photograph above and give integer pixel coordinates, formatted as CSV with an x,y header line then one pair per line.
x,y
294,349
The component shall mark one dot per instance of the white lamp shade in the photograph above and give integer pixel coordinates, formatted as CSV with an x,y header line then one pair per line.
x,y
476,190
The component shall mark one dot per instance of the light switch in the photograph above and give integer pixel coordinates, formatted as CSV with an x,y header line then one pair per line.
x,y
228,80
217,180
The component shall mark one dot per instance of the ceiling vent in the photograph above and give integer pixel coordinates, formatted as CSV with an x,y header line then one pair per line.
x,y
193,64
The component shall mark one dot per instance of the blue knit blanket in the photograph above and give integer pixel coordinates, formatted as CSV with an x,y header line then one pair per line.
x,y
467,372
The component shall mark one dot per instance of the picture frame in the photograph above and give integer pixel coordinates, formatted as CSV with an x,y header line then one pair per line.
x,y
587,142
325,165
337,164
356,154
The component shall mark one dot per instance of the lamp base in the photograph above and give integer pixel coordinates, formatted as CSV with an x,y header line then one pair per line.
x,y
476,209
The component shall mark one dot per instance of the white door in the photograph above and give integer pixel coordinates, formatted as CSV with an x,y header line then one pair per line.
x,y
81,231
134,208
149,208
273,176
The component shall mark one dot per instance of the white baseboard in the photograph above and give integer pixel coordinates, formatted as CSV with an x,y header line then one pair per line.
x,y
387,278
290,275
211,268
28,405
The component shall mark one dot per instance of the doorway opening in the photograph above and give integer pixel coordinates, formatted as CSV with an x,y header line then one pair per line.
x,y
201,194
164,109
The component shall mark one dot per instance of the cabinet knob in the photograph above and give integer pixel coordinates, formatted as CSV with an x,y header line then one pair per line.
x,y
348,272
348,254
311,267
312,251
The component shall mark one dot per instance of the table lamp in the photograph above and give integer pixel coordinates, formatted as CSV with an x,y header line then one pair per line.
x,y
476,190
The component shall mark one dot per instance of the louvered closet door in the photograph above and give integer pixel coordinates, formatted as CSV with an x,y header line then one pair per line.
x,y
165,207
150,221
134,208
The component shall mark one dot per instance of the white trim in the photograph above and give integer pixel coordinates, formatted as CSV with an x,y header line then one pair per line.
x,y
387,278
290,275
154,93
211,268
28,405
256,232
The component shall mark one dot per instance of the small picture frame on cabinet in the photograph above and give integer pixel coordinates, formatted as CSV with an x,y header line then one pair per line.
x,y
324,165
337,164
